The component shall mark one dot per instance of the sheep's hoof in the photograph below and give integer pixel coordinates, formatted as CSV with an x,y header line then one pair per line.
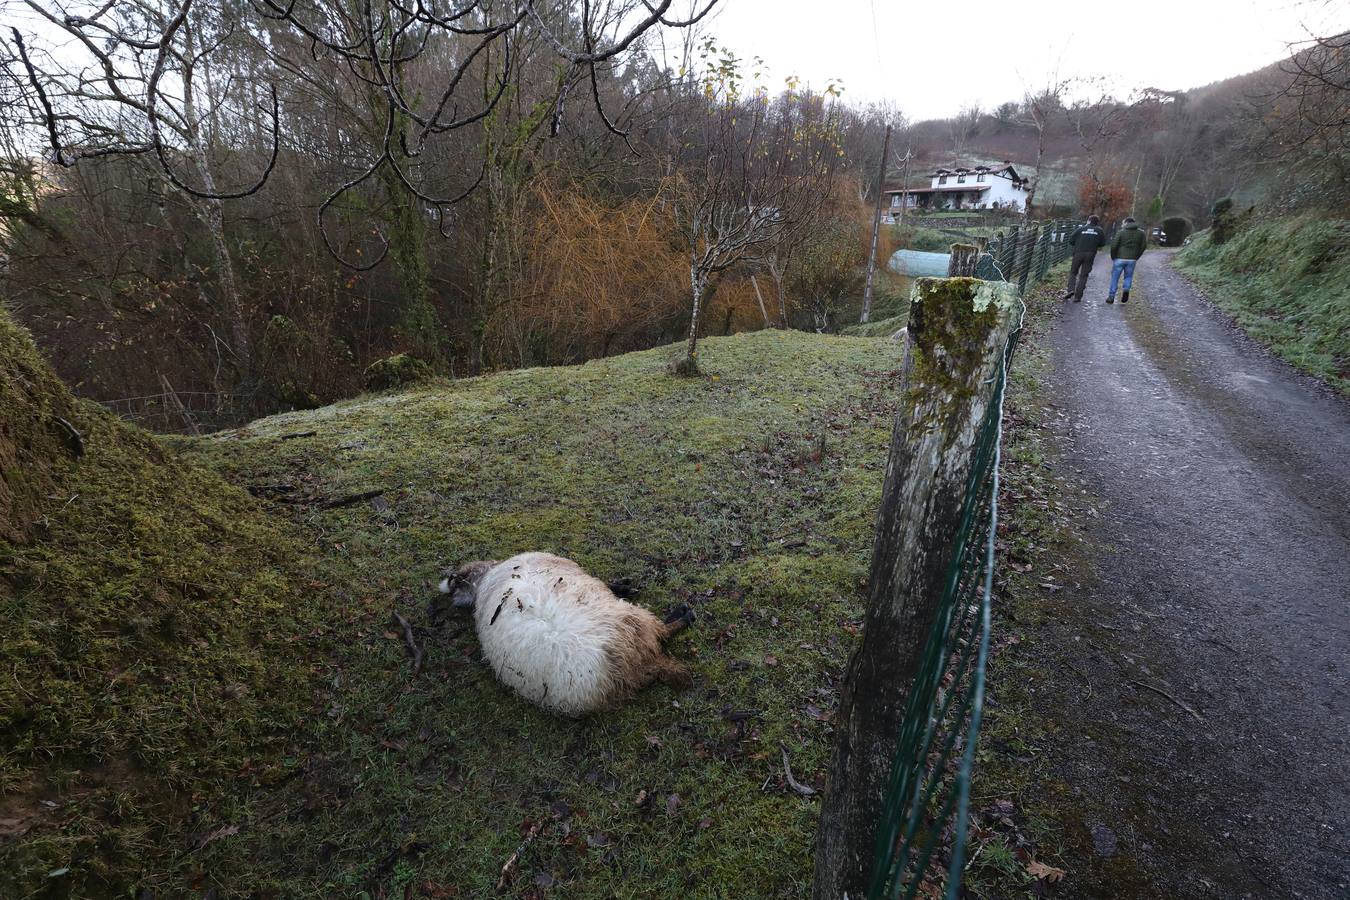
x,y
622,588
683,611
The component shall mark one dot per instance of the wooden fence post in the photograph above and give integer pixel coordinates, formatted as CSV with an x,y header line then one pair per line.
x,y
1010,253
1029,239
962,261
958,328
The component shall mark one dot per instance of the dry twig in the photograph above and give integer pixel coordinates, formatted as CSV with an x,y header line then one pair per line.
x,y
803,789
350,499
1160,692
413,650
510,865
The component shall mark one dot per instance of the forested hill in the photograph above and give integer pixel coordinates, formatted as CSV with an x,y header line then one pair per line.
x,y
1156,151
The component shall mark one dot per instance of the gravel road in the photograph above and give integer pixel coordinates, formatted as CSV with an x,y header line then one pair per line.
x,y
1224,582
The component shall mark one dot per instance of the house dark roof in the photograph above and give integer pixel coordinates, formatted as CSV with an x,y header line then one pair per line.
x,y
975,186
1005,169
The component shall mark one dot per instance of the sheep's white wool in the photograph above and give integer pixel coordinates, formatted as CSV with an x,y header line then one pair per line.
x,y
545,629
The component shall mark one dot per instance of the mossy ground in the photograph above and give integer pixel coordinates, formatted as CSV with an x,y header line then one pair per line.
x,y
154,646
749,492
1287,283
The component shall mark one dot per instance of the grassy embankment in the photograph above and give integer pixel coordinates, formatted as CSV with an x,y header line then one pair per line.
x,y
153,626
165,629
1287,283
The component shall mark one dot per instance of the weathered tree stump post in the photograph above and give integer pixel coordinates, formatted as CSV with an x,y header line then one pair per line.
x,y
962,261
958,328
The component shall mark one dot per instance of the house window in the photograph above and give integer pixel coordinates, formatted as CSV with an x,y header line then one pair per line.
x,y
960,179
942,179
980,177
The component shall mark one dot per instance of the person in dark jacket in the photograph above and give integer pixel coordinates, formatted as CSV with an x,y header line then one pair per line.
x,y
1126,248
1085,241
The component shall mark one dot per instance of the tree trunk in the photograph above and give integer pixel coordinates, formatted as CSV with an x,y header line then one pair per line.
x,y
211,214
876,229
957,331
776,272
760,297
697,281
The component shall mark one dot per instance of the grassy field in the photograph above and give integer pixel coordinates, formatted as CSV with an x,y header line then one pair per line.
x,y
749,493
277,743
1287,283
206,695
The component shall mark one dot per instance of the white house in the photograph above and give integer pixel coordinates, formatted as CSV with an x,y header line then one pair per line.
x,y
962,187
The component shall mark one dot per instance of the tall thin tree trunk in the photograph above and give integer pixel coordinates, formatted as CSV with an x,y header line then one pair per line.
x,y
698,282
211,214
760,297
876,229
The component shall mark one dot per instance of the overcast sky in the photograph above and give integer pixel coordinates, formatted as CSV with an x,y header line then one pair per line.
x,y
931,58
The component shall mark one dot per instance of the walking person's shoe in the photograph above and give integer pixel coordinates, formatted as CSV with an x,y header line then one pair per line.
x,y
1124,296
1110,298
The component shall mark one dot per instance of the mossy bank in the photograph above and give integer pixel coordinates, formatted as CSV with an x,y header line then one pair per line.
x,y
1286,281
153,626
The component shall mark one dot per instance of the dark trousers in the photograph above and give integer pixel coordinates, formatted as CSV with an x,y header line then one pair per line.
x,y
1078,273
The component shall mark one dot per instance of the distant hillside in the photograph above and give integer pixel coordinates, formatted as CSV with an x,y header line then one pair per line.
x,y
1187,147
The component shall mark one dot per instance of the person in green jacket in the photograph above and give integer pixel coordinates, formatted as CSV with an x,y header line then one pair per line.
x,y
1126,248
1086,240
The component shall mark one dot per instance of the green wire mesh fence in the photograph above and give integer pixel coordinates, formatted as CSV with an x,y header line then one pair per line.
x,y
922,832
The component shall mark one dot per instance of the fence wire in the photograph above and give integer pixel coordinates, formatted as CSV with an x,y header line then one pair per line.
x,y
921,838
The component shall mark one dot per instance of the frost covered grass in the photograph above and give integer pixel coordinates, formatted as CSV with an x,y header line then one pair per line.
x,y
748,492
1287,283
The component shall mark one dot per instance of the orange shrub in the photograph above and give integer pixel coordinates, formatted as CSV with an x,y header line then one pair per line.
x,y
596,279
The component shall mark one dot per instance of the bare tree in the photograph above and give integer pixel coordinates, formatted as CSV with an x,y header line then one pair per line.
x,y
1040,109
1098,121
140,86
145,81
1307,116
963,127
748,173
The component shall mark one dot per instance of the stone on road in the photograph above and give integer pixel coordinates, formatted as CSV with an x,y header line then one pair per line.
x,y
1223,582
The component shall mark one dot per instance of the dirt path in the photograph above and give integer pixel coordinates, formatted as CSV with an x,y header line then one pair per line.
x,y
1223,581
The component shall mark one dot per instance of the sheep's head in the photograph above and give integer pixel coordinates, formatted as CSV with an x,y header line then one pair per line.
x,y
462,583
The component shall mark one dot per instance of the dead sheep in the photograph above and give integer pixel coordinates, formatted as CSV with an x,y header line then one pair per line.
x,y
561,638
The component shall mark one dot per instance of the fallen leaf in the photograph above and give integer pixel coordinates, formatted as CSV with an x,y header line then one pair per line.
x,y
770,660
1041,870
673,803
642,799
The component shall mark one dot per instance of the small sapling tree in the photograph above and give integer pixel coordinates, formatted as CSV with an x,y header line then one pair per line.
x,y
750,170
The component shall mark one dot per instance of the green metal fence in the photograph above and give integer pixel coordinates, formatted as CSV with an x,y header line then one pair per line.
x,y
921,838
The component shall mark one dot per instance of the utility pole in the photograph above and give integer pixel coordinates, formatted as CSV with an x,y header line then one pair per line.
x,y
904,184
876,228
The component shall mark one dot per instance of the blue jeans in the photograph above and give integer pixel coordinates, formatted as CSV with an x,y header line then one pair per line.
x,y
1118,266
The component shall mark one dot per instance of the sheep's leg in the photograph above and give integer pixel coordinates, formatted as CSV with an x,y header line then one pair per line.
x,y
677,620
672,672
